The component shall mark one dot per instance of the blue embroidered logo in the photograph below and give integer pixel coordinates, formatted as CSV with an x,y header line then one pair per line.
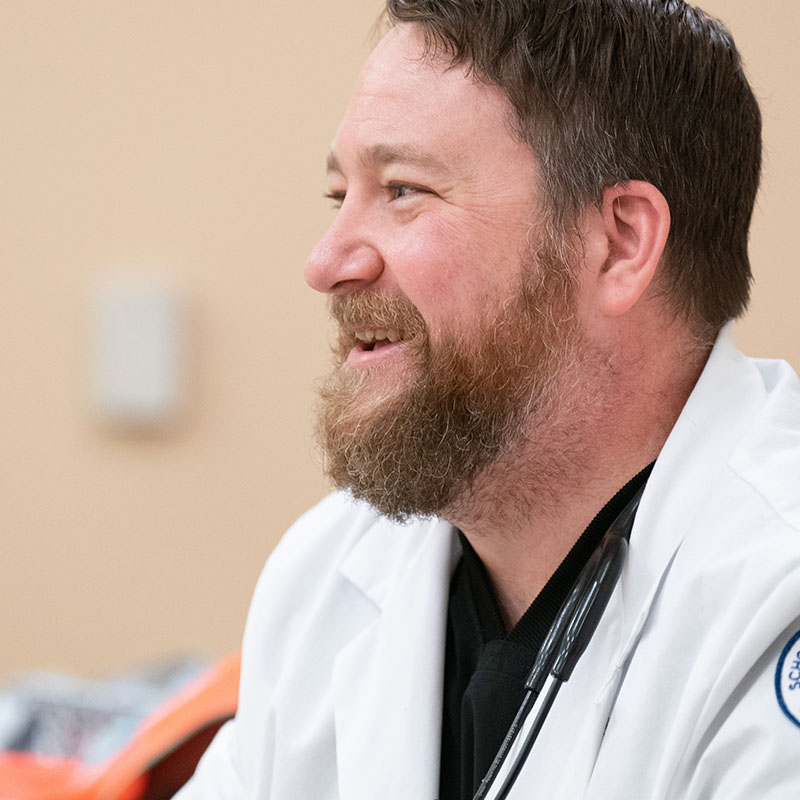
x,y
787,680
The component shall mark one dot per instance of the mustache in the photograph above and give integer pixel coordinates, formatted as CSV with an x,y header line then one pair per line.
x,y
369,310
372,310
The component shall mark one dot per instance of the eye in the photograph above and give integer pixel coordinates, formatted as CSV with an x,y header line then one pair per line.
x,y
397,191
336,197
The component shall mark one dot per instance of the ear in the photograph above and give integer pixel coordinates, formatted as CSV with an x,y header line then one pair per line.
x,y
636,219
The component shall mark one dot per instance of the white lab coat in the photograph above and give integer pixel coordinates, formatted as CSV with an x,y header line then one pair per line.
x,y
675,697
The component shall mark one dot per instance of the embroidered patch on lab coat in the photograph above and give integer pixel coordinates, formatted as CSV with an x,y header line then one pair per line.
x,y
787,680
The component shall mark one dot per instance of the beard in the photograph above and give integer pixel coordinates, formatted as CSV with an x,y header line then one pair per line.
x,y
416,444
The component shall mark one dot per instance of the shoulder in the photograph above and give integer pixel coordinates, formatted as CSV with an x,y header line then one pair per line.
x,y
725,487
750,519
767,457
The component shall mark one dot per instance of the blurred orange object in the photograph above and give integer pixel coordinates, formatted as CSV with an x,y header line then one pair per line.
x,y
159,759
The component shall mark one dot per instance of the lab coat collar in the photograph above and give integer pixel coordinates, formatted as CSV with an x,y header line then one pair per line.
x,y
696,452
388,731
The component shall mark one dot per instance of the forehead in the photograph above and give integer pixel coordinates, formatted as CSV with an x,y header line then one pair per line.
x,y
419,104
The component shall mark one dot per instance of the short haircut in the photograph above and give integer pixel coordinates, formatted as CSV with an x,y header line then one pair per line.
x,y
609,91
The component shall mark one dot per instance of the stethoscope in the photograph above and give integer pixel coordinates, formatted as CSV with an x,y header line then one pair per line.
x,y
564,644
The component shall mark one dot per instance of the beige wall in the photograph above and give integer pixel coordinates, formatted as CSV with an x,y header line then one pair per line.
x,y
190,136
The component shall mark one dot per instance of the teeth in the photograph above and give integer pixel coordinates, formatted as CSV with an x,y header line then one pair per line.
x,y
380,335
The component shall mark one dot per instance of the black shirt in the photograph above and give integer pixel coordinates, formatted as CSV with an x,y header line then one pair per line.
x,y
486,666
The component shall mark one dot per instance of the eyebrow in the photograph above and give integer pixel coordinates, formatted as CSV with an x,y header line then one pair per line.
x,y
381,155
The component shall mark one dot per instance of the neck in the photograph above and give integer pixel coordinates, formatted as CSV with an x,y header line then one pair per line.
x,y
525,512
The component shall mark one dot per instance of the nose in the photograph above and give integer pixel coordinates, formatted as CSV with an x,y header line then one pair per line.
x,y
345,259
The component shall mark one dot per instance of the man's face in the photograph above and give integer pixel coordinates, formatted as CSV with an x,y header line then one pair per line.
x,y
454,311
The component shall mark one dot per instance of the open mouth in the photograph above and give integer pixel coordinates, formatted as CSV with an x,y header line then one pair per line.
x,y
368,340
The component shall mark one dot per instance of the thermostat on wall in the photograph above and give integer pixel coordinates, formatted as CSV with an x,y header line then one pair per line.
x,y
137,367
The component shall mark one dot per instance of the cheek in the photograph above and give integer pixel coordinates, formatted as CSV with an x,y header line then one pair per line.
x,y
443,267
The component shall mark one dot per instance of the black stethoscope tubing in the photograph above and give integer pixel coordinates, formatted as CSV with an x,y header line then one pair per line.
x,y
564,644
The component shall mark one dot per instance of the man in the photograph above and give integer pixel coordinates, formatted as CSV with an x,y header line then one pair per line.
x,y
542,223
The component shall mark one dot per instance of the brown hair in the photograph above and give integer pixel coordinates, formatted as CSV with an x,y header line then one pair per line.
x,y
608,91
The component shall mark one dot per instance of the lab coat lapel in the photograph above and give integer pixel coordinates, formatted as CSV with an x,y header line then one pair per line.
x,y
702,442
387,683
704,439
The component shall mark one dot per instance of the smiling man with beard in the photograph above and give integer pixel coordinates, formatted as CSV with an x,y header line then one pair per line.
x,y
541,236
462,403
